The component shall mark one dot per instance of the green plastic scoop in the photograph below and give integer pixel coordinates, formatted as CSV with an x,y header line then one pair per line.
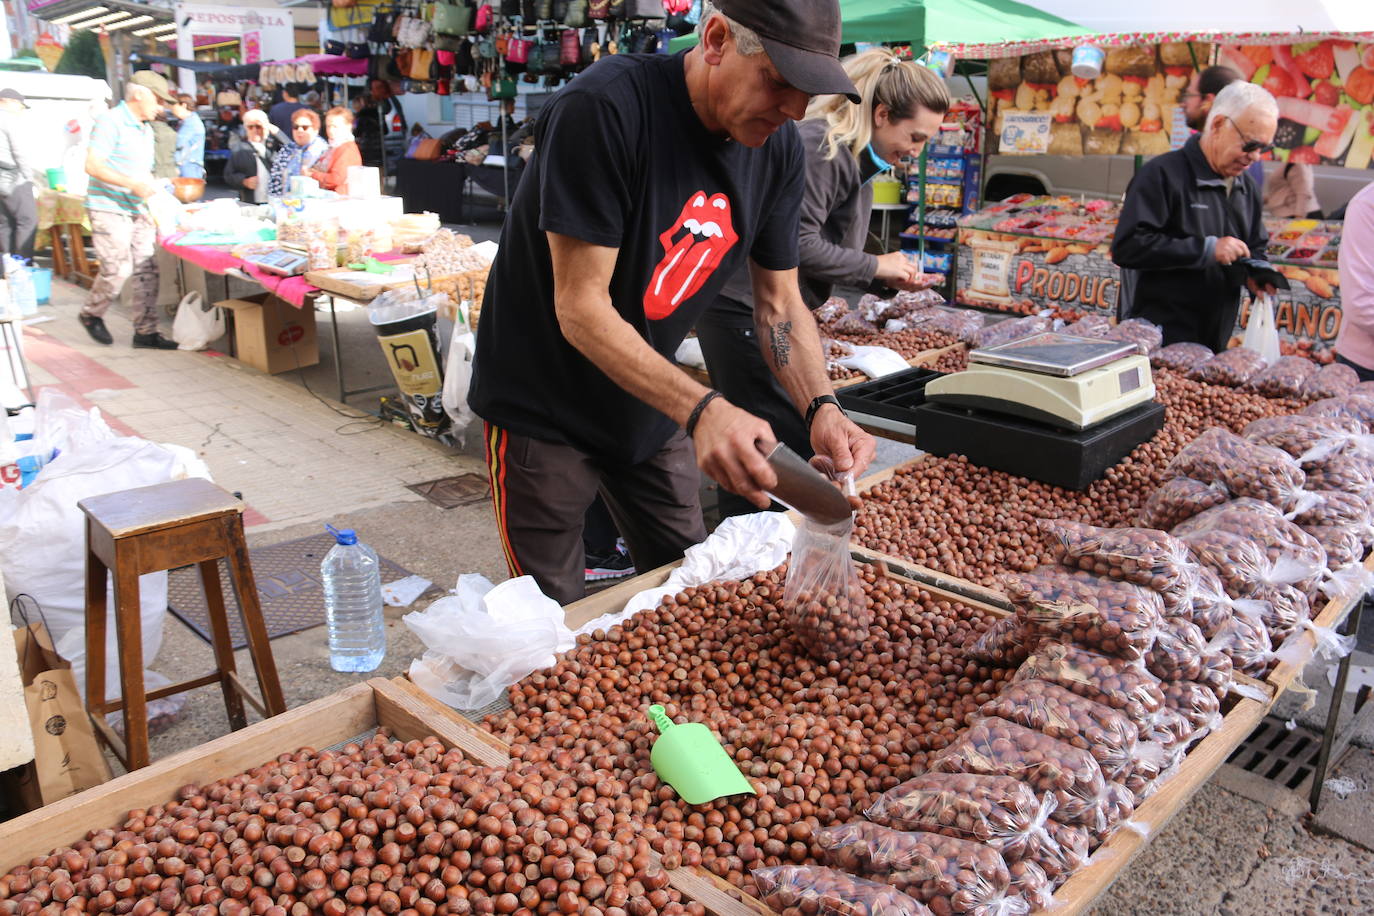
x,y
690,759
372,266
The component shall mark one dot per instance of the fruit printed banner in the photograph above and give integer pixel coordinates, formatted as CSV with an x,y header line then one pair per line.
x,y
1325,91
1129,109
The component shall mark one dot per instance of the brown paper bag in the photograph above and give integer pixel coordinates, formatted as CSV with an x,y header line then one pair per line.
x,y
67,757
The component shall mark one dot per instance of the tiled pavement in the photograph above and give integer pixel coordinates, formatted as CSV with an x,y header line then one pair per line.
x,y
295,457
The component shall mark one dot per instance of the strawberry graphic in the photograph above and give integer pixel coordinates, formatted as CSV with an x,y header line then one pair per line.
x,y
1324,93
1318,63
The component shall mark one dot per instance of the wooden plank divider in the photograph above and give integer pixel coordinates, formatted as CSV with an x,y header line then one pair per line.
x,y
412,713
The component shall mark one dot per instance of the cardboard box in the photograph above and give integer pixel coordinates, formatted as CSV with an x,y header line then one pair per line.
x,y
271,334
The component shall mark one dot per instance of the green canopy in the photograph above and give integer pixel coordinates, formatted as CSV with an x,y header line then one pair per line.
x,y
977,28
21,63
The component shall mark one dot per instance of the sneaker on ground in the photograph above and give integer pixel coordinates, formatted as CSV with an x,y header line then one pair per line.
x,y
96,328
154,341
604,567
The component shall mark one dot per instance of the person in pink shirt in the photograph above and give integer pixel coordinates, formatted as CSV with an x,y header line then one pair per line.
x,y
1355,343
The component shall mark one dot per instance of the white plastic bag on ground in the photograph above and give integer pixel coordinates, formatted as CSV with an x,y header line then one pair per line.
x,y
1261,334
484,638
195,326
43,543
457,378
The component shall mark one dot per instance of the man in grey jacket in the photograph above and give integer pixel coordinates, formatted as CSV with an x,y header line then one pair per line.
x,y
18,208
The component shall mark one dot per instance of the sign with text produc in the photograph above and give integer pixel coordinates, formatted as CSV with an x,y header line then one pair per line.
x,y
1025,275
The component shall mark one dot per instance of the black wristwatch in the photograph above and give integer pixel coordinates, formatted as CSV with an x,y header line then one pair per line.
x,y
817,404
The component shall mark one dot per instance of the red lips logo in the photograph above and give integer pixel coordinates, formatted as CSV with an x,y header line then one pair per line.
x,y
692,250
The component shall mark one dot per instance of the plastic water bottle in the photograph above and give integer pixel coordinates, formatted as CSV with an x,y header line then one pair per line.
x,y
353,603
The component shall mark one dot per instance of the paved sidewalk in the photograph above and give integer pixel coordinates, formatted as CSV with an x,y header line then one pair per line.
x,y
294,456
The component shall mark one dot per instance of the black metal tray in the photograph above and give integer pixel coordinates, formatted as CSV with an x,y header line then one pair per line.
x,y
893,397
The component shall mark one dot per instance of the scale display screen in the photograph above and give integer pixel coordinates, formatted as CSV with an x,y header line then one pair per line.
x,y
283,262
1061,355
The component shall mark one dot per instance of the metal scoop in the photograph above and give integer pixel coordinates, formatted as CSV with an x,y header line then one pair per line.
x,y
805,489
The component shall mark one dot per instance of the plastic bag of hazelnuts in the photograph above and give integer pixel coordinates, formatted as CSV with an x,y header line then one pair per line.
x,y
827,609
1105,615
818,891
1245,468
1144,556
947,874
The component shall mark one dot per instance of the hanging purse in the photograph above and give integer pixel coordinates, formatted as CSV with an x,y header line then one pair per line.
x,y
481,20
334,48
518,49
575,15
502,87
591,46
421,60
599,9
452,19
543,9
645,9
617,10
500,44
538,59
357,50
380,30
569,48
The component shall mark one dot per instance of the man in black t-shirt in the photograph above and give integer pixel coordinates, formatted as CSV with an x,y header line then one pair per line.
x,y
654,178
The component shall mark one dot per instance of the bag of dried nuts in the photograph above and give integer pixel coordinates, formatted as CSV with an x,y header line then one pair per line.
x,y
816,891
1337,509
947,874
1245,640
1178,652
1283,379
1295,557
1011,329
1005,644
1113,682
1092,326
1245,468
1146,335
1107,616
1232,367
1331,381
827,609
996,747
1211,605
1344,548
961,324
1145,556
998,811
1197,703
1354,411
1181,357
1104,732
1309,440
1179,499
1348,472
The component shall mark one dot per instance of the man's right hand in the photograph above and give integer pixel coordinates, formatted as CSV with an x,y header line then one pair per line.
x,y
145,189
1229,249
251,182
727,443
898,271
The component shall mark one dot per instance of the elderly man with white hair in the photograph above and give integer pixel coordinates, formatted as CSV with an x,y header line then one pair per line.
x,y
1192,215
249,168
120,163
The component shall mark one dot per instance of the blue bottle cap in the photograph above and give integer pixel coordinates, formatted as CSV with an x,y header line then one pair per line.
x,y
344,536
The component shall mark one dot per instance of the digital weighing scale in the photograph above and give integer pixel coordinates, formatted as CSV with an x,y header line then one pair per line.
x,y
1068,382
280,261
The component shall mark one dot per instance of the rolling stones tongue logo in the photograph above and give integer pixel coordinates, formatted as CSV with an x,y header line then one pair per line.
x,y
692,250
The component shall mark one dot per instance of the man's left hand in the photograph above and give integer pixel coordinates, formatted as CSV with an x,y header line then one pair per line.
x,y
1256,289
838,438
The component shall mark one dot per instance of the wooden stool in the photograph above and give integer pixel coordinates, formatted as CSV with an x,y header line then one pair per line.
x,y
151,529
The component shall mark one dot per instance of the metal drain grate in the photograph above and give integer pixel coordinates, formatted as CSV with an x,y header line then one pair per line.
x,y
452,492
1279,754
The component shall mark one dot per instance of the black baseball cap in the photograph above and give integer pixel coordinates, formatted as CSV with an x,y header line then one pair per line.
x,y
802,38
14,94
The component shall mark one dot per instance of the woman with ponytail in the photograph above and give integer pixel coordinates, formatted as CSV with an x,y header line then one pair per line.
x,y
846,145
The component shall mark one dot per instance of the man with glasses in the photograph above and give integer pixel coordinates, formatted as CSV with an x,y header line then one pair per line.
x,y
1202,91
1191,218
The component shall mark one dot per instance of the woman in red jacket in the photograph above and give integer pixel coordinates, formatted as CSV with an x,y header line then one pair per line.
x,y
331,170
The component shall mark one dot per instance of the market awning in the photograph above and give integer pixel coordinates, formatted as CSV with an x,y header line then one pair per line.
x,y
22,63
211,68
946,23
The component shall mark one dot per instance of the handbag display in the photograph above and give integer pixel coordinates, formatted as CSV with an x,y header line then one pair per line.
x,y
502,87
591,46
357,50
644,9
518,49
380,30
575,16
617,10
334,48
421,62
543,9
599,9
481,20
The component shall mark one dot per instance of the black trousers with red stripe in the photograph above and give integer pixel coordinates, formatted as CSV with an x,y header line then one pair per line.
x,y
541,491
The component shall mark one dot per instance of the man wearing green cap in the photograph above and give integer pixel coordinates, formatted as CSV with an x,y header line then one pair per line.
x,y
120,163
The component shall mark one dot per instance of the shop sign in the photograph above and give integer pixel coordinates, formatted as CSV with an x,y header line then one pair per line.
x,y
1026,275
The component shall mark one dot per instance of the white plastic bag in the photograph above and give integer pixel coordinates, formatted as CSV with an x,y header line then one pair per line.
x,y
195,326
457,379
1261,334
875,362
43,545
485,638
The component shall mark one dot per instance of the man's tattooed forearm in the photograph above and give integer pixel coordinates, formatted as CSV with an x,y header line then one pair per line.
x,y
780,342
